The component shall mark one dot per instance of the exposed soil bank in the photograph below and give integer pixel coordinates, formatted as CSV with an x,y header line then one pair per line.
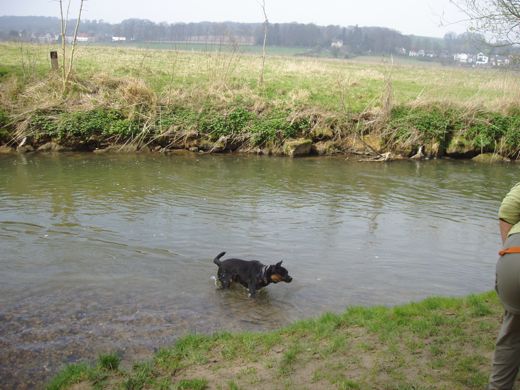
x,y
420,133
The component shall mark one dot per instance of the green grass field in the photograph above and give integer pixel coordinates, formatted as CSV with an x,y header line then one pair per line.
x,y
198,90
210,47
323,83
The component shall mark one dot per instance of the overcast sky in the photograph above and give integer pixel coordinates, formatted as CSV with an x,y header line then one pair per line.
x,y
419,17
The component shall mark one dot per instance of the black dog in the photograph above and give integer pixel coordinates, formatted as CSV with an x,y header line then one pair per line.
x,y
251,274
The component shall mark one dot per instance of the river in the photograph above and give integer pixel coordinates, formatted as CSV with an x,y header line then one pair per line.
x,y
113,253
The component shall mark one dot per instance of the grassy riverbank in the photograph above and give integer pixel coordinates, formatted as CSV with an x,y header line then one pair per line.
x,y
438,343
159,100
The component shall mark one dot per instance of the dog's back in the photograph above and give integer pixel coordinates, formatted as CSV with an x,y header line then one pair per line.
x,y
238,267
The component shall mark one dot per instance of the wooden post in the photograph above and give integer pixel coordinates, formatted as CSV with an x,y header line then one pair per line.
x,y
54,60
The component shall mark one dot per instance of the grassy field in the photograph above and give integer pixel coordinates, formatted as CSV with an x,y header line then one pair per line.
x,y
210,47
321,83
439,343
161,90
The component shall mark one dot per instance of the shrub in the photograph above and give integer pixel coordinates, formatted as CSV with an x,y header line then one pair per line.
x,y
512,137
431,124
44,123
485,129
264,131
181,117
277,126
96,122
4,120
218,125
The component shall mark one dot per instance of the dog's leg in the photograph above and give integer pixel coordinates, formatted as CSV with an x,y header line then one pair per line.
x,y
252,289
225,280
226,283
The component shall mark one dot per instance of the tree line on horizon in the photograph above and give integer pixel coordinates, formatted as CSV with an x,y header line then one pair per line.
x,y
351,40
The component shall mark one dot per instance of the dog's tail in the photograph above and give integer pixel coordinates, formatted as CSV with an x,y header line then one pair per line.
x,y
216,260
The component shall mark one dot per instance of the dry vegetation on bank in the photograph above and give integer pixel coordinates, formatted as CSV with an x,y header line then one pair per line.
x,y
162,100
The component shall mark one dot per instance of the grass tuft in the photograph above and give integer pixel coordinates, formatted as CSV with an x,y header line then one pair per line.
x,y
109,361
71,375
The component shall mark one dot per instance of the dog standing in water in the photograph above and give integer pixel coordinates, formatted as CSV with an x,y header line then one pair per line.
x,y
251,274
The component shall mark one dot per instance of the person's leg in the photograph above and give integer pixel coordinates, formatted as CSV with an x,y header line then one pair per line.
x,y
506,359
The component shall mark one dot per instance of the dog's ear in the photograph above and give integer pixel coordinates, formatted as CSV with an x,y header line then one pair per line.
x,y
279,264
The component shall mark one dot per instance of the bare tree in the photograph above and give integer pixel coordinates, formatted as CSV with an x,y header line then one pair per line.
x,y
66,71
266,25
64,20
498,19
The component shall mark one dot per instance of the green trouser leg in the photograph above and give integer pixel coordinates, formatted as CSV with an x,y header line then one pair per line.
x,y
506,360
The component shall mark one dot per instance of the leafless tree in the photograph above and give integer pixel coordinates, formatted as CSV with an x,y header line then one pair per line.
x,y
498,19
266,25
67,70
64,20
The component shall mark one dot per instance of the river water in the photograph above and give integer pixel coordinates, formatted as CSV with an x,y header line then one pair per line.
x,y
104,253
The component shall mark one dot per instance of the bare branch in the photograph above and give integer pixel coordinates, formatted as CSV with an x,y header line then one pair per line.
x,y
498,19
74,41
63,38
266,25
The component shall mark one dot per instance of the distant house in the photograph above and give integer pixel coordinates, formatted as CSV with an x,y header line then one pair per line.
x,y
482,59
416,53
118,39
79,38
46,38
479,59
499,61
84,38
337,44
463,58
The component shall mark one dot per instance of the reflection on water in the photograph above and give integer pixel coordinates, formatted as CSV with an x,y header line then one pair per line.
x,y
114,253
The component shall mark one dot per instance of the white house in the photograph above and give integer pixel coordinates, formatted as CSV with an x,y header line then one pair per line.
x,y
482,59
463,58
418,53
499,60
79,38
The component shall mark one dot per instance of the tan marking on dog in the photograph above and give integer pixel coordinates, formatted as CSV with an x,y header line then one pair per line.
x,y
276,278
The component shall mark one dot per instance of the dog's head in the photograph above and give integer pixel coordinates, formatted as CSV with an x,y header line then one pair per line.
x,y
279,273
